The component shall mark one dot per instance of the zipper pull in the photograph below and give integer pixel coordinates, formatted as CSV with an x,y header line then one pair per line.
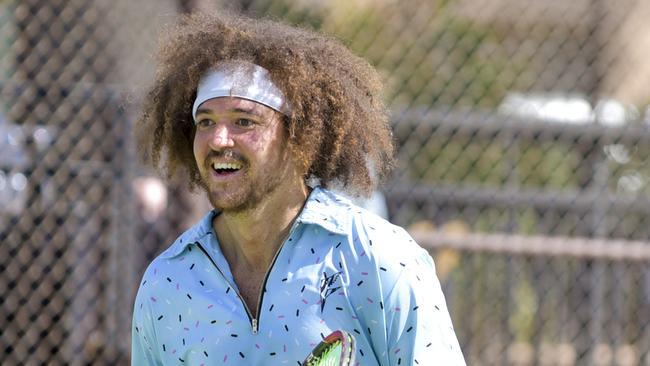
x,y
254,326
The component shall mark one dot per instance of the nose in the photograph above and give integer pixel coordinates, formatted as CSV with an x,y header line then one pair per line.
x,y
221,137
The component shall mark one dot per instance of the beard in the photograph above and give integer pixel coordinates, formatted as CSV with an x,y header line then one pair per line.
x,y
248,192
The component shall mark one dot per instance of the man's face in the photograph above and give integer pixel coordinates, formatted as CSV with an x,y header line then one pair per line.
x,y
241,151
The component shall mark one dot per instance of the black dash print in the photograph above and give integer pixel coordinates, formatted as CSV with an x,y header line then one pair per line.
x,y
322,336
212,322
182,360
428,345
370,242
228,289
284,279
234,335
416,362
192,266
339,308
271,308
410,329
340,265
361,351
369,332
272,354
317,200
169,279
144,282
381,305
183,341
436,306
160,317
286,328
164,350
205,353
302,289
202,284
415,307
356,331
402,264
297,312
338,245
137,330
399,361
189,297
242,355
383,269
180,319
359,283
312,250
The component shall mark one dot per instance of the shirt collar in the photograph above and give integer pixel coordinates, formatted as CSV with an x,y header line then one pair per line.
x,y
323,208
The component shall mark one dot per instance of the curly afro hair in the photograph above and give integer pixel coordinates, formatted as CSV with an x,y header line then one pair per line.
x,y
338,125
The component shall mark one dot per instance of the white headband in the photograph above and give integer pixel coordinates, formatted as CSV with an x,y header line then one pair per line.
x,y
239,79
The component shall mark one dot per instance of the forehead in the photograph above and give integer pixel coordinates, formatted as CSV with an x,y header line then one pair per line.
x,y
234,104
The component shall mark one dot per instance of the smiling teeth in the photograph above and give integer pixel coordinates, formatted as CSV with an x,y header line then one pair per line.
x,y
234,166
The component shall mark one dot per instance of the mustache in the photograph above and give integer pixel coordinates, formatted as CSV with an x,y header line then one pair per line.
x,y
227,154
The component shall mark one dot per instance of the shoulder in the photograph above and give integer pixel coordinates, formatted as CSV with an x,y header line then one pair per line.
x,y
375,244
167,262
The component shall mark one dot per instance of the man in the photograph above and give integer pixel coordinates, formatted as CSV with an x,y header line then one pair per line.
x,y
265,118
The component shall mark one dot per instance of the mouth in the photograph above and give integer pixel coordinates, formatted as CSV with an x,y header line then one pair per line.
x,y
223,169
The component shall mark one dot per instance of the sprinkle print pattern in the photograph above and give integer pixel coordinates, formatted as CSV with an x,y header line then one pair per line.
x,y
340,268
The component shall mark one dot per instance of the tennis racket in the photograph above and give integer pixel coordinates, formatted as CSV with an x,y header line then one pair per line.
x,y
337,349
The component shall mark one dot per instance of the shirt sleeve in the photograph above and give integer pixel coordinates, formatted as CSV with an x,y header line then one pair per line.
x,y
143,341
419,328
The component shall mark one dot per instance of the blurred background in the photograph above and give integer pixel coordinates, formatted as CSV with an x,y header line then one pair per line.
x,y
522,129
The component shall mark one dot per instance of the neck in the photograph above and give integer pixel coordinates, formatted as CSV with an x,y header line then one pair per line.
x,y
250,239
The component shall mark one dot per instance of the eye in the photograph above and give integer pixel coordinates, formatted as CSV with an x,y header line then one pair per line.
x,y
245,122
205,122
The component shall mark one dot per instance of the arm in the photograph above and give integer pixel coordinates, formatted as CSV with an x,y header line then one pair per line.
x,y
143,341
419,328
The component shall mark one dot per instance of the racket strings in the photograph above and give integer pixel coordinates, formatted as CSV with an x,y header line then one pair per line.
x,y
328,356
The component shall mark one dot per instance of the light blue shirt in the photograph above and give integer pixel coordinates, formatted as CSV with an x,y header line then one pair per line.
x,y
340,268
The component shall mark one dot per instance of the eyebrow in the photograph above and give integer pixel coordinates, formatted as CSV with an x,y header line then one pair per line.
x,y
230,111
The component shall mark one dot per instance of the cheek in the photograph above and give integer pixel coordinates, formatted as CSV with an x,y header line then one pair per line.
x,y
198,148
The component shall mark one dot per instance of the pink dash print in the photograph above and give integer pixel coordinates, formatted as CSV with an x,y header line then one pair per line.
x,y
280,316
397,350
153,299
363,253
369,300
284,348
257,346
398,309
305,301
210,306
364,273
197,324
225,358
228,322
178,286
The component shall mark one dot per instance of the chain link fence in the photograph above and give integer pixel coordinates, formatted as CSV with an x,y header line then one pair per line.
x,y
522,129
